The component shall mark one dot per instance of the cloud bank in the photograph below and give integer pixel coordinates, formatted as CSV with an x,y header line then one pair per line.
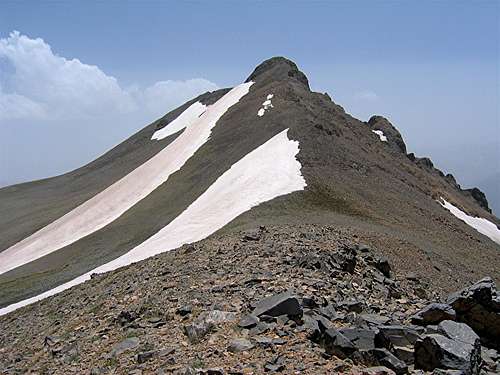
x,y
36,83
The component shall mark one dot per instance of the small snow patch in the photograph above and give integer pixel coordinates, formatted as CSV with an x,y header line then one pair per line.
x,y
381,135
266,105
184,120
480,224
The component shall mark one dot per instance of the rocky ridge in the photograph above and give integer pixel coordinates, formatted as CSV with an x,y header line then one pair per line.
x,y
293,300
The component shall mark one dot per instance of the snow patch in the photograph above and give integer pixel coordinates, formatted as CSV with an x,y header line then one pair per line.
x,y
381,135
265,173
480,224
112,202
266,105
185,119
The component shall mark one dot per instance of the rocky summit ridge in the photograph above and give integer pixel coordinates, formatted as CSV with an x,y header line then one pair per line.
x,y
363,271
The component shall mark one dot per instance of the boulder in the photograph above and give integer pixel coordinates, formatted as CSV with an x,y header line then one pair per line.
x,y
382,264
402,336
437,351
433,314
479,307
360,338
279,304
459,332
387,359
337,344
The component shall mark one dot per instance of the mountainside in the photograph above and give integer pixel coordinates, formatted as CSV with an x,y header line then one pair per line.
x,y
269,152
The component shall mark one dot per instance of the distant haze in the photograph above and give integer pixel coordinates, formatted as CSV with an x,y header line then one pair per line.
x,y
78,78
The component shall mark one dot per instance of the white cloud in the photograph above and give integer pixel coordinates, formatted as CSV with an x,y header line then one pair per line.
x,y
366,95
42,85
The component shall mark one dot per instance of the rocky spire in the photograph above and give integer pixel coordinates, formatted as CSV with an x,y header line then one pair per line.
x,y
278,69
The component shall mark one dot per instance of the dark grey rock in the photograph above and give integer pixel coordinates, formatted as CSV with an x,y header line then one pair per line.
x,y
478,307
433,314
279,304
259,328
382,264
352,306
328,312
248,321
406,354
374,319
390,336
252,235
437,351
145,356
458,331
337,344
360,338
386,358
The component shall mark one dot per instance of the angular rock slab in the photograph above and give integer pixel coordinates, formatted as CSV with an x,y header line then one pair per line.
x,y
279,304
437,351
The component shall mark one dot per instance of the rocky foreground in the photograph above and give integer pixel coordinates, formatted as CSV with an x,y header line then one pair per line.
x,y
302,300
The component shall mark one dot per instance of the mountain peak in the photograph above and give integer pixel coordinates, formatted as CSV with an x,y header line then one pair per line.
x,y
278,68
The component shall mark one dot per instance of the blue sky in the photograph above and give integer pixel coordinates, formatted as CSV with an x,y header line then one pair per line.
x,y
431,67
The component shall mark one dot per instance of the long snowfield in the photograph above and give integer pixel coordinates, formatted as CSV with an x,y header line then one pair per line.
x,y
480,224
105,207
265,173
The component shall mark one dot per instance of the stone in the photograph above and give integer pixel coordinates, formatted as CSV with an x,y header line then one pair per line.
x,y
377,370
279,304
433,314
458,331
184,310
205,323
346,260
240,345
252,235
374,319
382,264
437,351
406,354
479,307
328,312
248,321
387,359
352,306
360,338
145,356
337,344
260,328
125,317
275,365
396,335
123,346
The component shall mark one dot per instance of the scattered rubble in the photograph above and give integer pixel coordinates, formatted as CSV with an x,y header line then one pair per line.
x,y
270,301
